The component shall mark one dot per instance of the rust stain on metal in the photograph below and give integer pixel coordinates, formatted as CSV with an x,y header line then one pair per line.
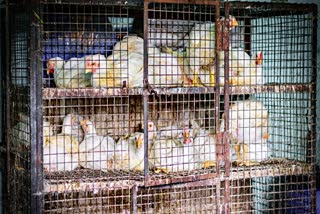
x,y
202,2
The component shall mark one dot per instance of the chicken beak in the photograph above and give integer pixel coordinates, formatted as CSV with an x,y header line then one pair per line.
x,y
186,137
88,70
266,136
84,126
234,23
139,142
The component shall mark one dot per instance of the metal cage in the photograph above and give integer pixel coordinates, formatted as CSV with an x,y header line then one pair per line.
x,y
160,106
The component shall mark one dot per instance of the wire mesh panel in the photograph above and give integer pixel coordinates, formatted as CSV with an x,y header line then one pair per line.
x,y
270,121
92,126
181,52
97,201
202,199
18,125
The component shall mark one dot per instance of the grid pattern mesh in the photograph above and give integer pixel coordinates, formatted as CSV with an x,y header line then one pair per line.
x,y
18,124
218,99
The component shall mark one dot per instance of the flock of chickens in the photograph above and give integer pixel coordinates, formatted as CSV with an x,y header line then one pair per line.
x,y
171,149
194,64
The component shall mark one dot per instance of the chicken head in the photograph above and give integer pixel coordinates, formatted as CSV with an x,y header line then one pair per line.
x,y
53,64
94,63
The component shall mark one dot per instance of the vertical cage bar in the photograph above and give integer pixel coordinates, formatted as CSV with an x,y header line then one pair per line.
x,y
313,139
2,107
226,140
35,115
217,80
145,90
134,200
7,107
219,139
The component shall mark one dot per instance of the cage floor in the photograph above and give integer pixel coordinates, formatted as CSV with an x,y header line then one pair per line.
x,y
51,93
94,180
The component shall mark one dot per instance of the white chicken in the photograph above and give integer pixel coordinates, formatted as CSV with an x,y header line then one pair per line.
x,y
248,125
160,38
205,147
173,154
164,70
129,44
152,131
47,129
72,74
71,126
171,132
59,157
253,153
135,44
120,68
60,151
54,64
187,73
129,152
95,151
245,70
124,68
200,50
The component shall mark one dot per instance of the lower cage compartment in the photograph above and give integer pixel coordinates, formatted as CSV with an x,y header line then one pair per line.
x,y
194,197
106,201
256,195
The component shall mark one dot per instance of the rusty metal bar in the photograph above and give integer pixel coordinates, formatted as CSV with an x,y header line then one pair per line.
x,y
219,141
59,93
226,142
155,181
313,112
134,201
145,91
200,183
202,2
